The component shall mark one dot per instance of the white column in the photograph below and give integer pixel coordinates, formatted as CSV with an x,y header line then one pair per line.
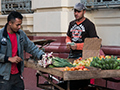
x,y
0,7
52,15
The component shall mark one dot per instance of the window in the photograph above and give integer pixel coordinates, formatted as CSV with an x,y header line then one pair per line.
x,y
101,4
106,0
23,6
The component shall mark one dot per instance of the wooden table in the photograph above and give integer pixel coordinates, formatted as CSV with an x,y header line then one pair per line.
x,y
73,75
91,48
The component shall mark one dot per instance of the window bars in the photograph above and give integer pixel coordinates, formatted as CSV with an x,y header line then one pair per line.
x,y
101,4
23,6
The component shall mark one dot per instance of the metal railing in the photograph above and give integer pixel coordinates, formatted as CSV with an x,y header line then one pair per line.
x,y
23,6
100,4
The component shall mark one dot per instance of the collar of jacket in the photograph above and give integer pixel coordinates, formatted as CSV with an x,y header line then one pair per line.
x,y
5,31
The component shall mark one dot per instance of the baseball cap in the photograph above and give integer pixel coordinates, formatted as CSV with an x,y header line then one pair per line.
x,y
79,6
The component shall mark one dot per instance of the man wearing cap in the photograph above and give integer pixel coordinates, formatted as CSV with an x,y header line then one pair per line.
x,y
78,30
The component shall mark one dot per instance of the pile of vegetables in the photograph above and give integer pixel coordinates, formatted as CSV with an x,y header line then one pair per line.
x,y
80,62
60,62
77,68
103,62
49,60
108,62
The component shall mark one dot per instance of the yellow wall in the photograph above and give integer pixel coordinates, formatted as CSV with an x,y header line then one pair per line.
x,y
51,18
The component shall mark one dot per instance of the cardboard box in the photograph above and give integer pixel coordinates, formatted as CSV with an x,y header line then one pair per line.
x,y
91,47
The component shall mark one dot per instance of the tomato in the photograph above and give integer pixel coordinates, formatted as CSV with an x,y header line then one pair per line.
x,y
73,69
82,67
80,58
85,69
79,69
67,68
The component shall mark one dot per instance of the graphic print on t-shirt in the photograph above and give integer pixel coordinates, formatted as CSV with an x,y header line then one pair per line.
x,y
77,32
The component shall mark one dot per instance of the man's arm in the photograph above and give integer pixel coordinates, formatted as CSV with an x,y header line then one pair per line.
x,y
68,39
92,31
32,49
77,46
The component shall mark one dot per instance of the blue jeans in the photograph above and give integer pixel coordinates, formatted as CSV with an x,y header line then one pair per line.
x,y
15,83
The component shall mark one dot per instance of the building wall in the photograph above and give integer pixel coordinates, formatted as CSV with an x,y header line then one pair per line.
x,y
27,24
0,7
51,18
107,25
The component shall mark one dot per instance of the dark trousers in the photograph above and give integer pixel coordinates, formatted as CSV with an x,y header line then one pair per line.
x,y
15,83
73,55
75,84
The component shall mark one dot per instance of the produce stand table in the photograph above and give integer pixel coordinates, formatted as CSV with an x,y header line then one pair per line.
x,y
73,75
91,48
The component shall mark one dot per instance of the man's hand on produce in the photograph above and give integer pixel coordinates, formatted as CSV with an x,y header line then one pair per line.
x,y
73,47
15,59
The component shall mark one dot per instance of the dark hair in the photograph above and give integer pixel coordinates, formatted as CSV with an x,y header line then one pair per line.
x,y
13,15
